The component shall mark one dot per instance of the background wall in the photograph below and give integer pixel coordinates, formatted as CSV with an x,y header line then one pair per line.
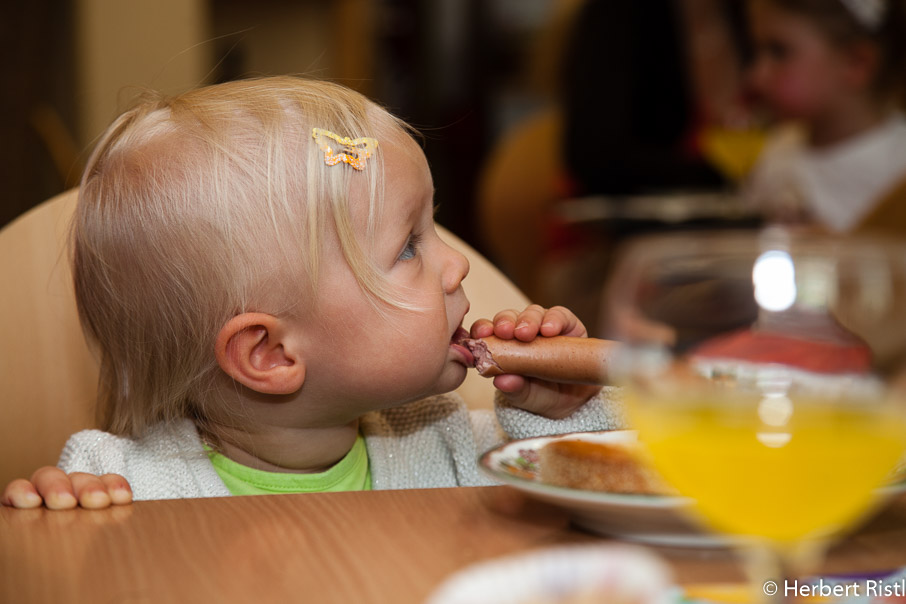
x,y
122,46
453,68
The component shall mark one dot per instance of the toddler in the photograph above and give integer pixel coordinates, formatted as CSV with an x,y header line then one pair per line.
x,y
835,71
274,311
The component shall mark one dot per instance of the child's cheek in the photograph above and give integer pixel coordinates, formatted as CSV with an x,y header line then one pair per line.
x,y
792,96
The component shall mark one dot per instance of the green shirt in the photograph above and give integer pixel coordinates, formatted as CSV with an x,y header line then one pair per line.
x,y
352,473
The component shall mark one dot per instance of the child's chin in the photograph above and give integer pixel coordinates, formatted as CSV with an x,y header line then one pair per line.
x,y
452,378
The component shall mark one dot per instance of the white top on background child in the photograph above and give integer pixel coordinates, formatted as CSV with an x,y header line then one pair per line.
x,y
260,258
832,71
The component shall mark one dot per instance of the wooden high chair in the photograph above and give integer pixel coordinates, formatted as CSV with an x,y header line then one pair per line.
x,y
48,374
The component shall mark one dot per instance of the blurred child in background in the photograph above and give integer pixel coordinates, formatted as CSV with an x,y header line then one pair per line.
x,y
833,72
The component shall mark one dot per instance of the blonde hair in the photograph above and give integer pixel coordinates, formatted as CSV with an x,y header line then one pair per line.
x,y
195,208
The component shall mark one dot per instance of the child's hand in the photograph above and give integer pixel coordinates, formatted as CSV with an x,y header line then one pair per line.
x,y
60,491
550,399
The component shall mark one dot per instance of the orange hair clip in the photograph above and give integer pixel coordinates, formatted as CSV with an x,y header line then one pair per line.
x,y
352,151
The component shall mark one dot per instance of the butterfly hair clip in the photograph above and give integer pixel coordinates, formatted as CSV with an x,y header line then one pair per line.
x,y
336,148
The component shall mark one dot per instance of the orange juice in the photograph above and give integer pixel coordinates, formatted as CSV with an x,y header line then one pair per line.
x,y
813,474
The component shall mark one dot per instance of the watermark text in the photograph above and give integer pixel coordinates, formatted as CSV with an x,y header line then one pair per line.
x,y
825,588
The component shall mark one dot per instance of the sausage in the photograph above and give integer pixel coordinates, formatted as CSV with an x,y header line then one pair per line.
x,y
559,358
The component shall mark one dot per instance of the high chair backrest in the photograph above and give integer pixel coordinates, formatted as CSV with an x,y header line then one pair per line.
x,y
48,374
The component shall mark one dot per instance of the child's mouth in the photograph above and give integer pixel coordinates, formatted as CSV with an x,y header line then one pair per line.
x,y
456,342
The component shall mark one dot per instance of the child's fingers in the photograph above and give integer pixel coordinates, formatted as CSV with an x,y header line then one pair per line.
x,y
481,328
55,487
21,494
118,488
528,323
510,384
536,396
547,399
509,324
505,324
560,321
90,491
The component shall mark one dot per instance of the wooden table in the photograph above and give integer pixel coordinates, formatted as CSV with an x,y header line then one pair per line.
x,y
385,546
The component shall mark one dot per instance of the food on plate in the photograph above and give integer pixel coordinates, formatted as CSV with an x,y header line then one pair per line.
x,y
615,467
558,358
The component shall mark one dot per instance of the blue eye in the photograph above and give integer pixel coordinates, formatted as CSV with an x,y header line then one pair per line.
x,y
410,250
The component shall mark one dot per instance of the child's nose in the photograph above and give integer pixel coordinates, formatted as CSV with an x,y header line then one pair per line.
x,y
455,270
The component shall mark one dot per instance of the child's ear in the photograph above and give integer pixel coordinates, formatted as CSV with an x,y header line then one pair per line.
x,y
256,350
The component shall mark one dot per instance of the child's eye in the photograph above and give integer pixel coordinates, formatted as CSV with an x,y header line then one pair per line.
x,y
410,250
777,50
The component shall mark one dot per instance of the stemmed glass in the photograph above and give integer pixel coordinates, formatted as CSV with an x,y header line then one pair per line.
x,y
764,372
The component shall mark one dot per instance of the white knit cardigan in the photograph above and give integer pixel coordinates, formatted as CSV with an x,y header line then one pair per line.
x,y
434,442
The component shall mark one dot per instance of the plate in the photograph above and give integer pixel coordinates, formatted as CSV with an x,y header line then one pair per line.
x,y
598,573
650,519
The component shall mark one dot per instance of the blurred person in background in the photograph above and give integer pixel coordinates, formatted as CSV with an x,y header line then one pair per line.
x,y
834,73
632,90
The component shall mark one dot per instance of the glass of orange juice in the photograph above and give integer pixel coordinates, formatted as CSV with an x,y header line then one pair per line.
x,y
764,372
